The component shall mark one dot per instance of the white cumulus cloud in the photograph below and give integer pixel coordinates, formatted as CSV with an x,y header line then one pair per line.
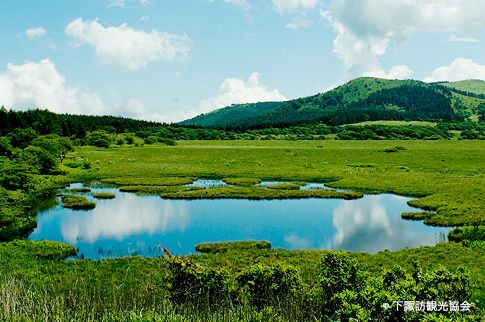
x,y
366,28
39,85
396,72
128,47
290,6
36,33
238,91
460,69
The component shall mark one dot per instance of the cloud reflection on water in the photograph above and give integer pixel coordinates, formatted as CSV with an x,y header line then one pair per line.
x,y
129,216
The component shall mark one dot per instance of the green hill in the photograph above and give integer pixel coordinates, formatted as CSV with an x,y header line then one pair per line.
x,y
476,86
362,99
228,115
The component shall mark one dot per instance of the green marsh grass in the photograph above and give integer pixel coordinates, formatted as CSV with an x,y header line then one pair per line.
x,y
242,181
77,202
222,247
104,195
80,189
447,176
147,181
285,186
154,190
256,193
416,215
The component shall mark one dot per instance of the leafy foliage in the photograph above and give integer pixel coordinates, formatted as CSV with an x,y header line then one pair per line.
x,y
268,285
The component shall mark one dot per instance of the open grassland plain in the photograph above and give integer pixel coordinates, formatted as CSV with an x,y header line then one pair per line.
x,y
251,281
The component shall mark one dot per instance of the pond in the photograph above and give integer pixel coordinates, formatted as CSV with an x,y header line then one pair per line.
x,y
136,225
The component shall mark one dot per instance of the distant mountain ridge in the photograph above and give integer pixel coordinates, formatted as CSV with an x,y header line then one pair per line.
x,y
361,99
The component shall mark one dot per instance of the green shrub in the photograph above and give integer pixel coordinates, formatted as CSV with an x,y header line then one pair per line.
x,y
196,284
99,139
270,284
150,140
467,233
130,139
166,141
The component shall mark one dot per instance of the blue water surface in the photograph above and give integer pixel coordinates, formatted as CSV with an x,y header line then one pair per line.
x,y
137,225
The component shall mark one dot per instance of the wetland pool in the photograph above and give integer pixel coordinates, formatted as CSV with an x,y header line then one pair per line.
x,y
132,224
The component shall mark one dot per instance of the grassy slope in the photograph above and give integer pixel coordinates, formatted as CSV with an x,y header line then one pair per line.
x,y
470,85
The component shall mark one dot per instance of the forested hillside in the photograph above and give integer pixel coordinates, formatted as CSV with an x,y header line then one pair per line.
x,y
362,99
228,115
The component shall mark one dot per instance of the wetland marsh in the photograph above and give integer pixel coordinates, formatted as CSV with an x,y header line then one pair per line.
x,y
134,224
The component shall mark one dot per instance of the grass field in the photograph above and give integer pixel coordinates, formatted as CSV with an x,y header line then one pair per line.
x,y
446,176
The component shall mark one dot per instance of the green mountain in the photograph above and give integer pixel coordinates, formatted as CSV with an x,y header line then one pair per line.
x,y
362,99
230,114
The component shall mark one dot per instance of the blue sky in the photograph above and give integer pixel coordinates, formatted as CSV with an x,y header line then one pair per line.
x,y
171,60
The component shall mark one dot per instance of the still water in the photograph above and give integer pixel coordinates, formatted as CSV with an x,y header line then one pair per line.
x,y
137,225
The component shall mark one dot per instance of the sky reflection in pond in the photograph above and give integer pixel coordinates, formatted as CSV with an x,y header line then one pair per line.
x,y
131,224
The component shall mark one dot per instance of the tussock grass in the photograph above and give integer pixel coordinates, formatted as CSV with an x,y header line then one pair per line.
x,y
284,186
416,215
242,181
104,195
80,189
154,190
147,181
223,247
77,202
256,193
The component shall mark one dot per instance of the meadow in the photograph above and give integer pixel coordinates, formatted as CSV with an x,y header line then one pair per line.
x,y
37,284
447,176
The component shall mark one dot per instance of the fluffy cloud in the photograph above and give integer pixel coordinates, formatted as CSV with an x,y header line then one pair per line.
x,y
290,6
40,85
366,27
299,22
460,69
237,91
122,3
127,47
36,33
397,72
